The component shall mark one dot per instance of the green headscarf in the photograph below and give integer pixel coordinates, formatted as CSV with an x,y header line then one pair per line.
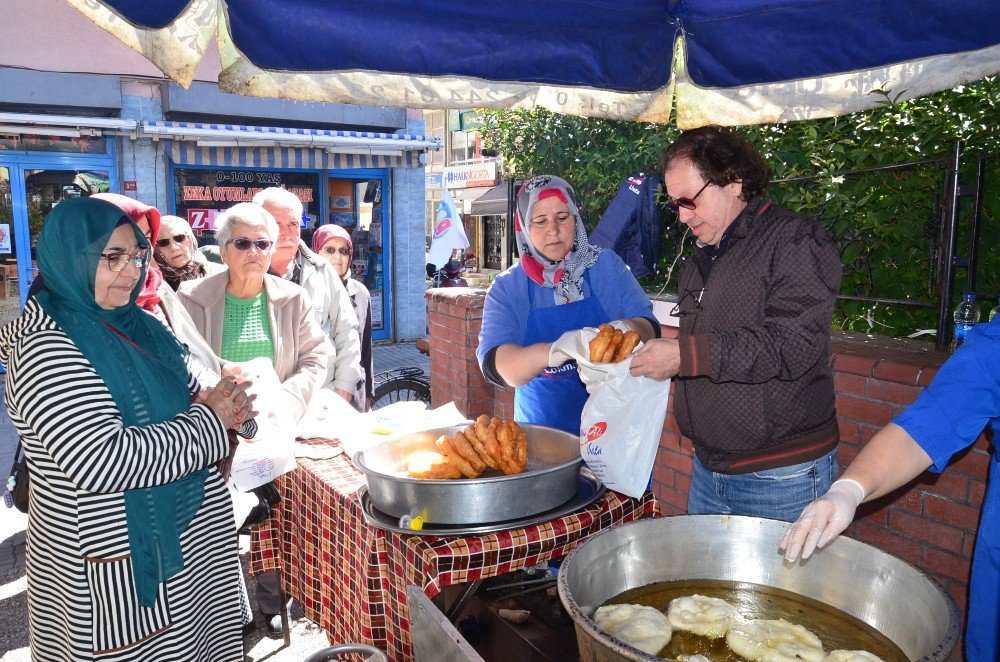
x,y
147,377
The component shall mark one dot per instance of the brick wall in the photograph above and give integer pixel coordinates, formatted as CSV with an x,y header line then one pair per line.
x,y
930,523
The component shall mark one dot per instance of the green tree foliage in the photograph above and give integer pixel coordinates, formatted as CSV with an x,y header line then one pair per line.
x,y
886,220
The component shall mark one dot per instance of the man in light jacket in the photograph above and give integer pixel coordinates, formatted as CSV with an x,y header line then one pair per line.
x,y
293,261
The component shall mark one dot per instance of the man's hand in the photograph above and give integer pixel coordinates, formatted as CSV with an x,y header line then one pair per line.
x,y
658,359
823,519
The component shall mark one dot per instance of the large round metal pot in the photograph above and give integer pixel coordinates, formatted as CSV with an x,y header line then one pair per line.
x,y
550,479
887,593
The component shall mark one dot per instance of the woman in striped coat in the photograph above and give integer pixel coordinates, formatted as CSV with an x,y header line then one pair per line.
x,y
131,546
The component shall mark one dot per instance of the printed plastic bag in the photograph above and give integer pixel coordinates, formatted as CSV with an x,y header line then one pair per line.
x,y
621,425
271,452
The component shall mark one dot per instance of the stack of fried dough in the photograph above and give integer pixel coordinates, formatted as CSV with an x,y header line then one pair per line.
x,y
611,345
488,443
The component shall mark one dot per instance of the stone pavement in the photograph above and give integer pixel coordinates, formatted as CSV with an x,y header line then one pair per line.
x,y
307,638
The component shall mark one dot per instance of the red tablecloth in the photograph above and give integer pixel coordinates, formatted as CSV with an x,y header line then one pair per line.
x,y
351,578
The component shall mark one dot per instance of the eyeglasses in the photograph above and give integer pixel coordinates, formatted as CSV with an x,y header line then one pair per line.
x,y
343,250
117,262
177,239
244,244
687,203
561,219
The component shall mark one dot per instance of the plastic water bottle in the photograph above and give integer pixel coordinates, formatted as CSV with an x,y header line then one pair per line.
x,y
966,315
994,311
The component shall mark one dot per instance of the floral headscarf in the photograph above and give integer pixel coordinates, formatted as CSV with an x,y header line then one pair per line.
x,y
565,275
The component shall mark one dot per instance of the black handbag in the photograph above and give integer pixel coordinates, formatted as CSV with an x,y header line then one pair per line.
x,y
19,473
268,496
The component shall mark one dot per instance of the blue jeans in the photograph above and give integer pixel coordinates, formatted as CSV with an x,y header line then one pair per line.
x,y
774,493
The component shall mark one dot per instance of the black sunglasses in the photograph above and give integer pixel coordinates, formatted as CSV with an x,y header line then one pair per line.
x,y
177,239
687,203
343,250
244,244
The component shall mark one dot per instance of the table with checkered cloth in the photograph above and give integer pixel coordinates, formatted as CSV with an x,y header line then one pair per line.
x,y
351,578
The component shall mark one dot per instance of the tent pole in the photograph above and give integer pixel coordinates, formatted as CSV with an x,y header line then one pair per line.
x,y
950,232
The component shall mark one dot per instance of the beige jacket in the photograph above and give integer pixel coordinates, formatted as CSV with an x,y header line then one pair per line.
x,y
301,349
205,364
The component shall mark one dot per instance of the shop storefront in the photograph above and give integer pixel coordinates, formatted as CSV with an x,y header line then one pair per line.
x,y
37,171
213,167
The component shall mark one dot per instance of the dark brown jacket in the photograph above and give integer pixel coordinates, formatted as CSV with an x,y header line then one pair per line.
x,y
755,389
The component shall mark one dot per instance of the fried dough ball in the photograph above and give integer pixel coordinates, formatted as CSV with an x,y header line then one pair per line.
x,y
521,456
613,344
486,433
444,443
465,449
507,438
480,446
598,347
629,342
428,465
774,640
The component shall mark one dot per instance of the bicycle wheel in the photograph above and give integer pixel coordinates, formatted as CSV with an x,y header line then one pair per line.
x,y
401,389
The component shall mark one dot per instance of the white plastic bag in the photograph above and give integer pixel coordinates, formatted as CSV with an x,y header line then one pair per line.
x,y
621,424
271,452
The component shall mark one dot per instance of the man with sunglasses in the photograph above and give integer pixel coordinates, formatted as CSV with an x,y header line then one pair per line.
x,y
292,260
754,389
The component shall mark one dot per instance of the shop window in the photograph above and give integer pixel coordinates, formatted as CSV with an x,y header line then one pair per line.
x,y
357,207
201,194
45,143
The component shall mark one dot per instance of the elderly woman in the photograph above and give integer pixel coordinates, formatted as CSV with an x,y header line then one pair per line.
x,y
245,313
177,253
561,285
131,544
333,244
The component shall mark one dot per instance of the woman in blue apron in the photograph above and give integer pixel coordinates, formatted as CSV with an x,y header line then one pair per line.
x,y
947,417
561,285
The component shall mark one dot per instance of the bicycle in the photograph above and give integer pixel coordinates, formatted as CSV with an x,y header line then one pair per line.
x,y
401,384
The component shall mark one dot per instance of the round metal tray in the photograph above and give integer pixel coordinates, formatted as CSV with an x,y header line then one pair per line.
x,y
589,491
549,480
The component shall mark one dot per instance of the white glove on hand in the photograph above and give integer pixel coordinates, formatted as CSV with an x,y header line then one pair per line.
x,y
823,519
571,346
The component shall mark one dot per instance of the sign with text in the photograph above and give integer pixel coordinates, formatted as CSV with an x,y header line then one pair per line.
x,y
202,220
433,180
470,175
200,194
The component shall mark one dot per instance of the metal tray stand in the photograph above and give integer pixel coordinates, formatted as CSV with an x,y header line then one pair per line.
x,y
589,491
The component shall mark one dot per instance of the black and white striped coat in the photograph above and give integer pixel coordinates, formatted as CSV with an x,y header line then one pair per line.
x,y
81,598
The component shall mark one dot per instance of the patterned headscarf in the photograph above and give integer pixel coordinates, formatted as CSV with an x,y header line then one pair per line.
x,y
565,275
325,233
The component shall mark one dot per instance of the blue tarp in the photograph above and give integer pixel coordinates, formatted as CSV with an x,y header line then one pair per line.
x,y
594,57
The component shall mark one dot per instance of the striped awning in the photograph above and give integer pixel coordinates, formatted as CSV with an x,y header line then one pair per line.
x,y
242,146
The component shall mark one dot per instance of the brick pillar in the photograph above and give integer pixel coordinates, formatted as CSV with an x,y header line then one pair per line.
x,y
455,316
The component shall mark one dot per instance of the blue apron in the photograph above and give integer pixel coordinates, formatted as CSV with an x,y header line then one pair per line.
x,y
556,397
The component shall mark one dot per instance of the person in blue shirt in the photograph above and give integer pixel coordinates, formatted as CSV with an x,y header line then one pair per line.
x,y
947,417
541,305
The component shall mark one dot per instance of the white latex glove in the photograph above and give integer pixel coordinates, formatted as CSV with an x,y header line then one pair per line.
x,y
571,346
823,519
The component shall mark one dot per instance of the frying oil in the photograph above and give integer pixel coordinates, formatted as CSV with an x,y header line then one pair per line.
x,y
835,628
